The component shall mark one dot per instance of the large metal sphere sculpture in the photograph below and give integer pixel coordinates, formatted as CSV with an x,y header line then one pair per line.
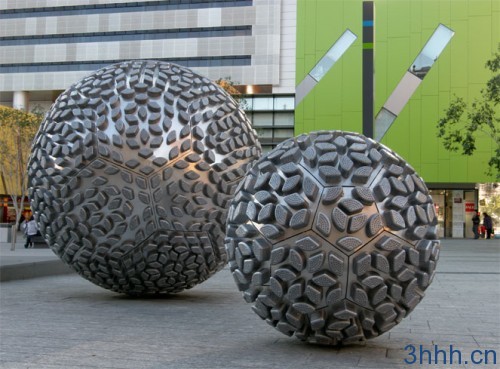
x,y
332,238
131,175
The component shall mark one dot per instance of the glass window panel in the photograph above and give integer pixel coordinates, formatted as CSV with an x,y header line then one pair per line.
x,y
431,51
284,103
125,35
262,120
383,122
283,133
332,55
69,66
283,119
246,104
267,148
242,102
264,132
321,68
263,103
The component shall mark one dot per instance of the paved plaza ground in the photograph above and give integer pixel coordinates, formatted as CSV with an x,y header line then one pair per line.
x,y
63,321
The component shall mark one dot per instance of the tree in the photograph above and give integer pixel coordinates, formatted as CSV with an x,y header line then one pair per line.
x,y
17,130
482,117
490,201
229,86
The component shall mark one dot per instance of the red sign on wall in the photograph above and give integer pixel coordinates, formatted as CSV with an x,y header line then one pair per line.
x,y
470,207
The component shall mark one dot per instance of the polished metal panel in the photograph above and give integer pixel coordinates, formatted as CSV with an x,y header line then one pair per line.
x,y
402,93
304,88
383,122
431,51
324,65
332,237
131,174
333,55
412,79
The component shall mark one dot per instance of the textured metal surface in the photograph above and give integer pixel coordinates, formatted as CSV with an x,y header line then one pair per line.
x,y
332,238
131,174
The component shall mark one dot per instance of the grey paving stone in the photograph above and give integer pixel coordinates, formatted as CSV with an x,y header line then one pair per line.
x,y
65,322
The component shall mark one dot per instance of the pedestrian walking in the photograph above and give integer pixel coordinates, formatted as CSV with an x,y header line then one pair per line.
x,y
30,230
488,224
475,225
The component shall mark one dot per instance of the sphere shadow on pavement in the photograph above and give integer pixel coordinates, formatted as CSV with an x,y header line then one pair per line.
x,y
65,322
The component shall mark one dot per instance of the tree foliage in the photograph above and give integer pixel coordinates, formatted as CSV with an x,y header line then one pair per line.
x,y
462,124
490,201
17,130
229,86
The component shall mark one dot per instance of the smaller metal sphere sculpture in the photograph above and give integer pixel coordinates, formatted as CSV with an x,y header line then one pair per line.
x,y
332,238
132,172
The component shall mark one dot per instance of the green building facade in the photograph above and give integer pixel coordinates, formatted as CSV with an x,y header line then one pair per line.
x,y
402,28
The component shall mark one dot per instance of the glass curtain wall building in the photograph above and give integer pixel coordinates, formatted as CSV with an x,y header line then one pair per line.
x,y
47,45
272,117
267,48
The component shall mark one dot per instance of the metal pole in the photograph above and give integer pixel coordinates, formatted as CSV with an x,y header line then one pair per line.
x,y
368,67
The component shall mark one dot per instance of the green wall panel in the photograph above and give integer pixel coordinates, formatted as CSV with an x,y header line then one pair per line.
x,y
414,129
479,48
429,172
429,143
480,8
495,6
329,94
459,10
415,20
430,85
352,121
445,11
461,167
351,78
398,14
398,61
444,169
495,27
443,73
431,11
401,29
459,56
382,87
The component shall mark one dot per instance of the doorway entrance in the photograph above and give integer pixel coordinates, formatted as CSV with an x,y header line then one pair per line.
x,y
454,211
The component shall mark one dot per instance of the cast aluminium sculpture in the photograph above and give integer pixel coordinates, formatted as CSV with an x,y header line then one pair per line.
x,y
131,174
332,238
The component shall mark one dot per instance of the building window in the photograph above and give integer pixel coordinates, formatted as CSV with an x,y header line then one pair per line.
x,y
93,65
272,117
119,7
137,35
431,51
332,55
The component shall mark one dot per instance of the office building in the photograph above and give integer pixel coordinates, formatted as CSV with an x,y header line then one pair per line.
x,y
401,30
267,48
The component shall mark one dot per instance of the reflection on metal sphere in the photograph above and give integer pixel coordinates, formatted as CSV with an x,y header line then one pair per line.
x,y
131,174
332,238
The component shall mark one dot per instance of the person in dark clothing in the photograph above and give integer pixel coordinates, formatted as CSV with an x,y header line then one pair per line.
x,y
475,225
488,224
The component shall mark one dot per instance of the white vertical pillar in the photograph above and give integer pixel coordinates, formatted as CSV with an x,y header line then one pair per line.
x,y
20,100
458,215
